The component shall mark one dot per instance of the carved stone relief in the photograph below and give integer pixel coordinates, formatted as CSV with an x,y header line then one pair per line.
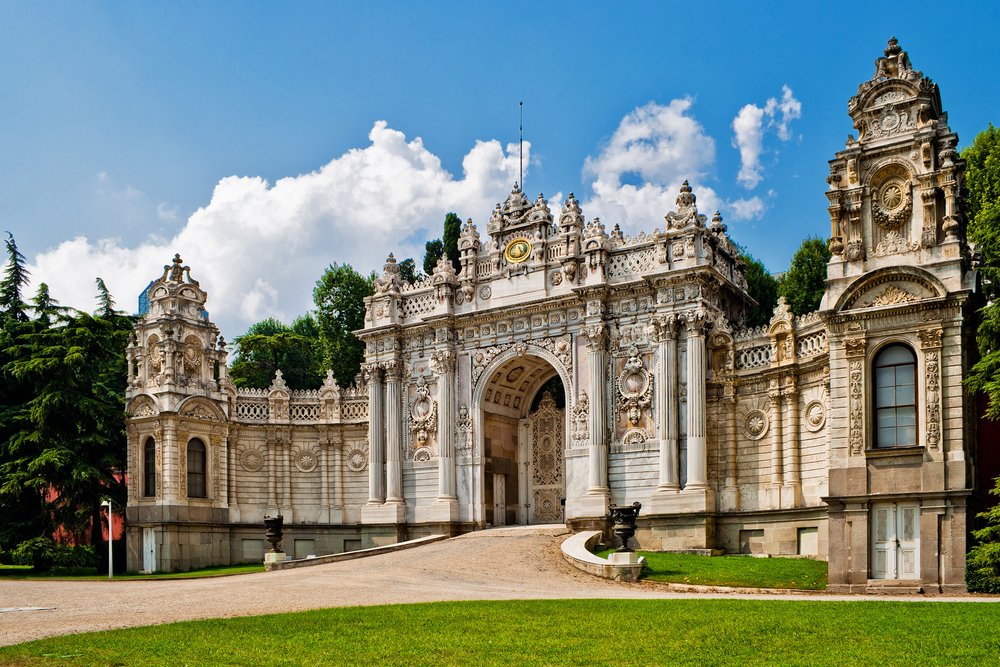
x,y
635,388
252,459
755,424
356,459
306,459
856,420
423,419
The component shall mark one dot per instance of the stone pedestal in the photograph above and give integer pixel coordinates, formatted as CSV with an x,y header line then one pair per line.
x,y
387,513
444,510
589,505
623,558
275,557
685,501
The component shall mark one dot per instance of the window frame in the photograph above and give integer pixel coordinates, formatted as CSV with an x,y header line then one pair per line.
x,y
149,468
896,407
197,480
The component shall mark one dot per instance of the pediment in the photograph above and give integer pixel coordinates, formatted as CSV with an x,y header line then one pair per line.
x,y
895,287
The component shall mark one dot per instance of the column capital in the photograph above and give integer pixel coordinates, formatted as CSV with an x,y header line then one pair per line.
x,y
443,362
372,373
596,335
696,322
393,370
665,327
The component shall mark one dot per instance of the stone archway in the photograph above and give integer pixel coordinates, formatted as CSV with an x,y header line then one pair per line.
x,y
523,424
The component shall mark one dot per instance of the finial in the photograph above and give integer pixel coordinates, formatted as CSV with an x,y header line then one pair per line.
x,y
893,48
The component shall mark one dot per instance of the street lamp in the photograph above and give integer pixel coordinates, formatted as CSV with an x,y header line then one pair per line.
x,y
111,538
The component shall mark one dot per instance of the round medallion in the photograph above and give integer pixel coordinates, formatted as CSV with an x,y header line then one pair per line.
x,y
252,460
485,292
307,460
892,196
755,424
356,460
815,415
517,251
889,121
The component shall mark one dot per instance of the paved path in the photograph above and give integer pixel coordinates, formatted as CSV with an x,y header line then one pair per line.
x,y
500,564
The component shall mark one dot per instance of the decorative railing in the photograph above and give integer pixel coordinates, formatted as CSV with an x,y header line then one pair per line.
x,y
754,357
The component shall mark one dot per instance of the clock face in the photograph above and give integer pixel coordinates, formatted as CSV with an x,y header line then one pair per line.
x,y
517,251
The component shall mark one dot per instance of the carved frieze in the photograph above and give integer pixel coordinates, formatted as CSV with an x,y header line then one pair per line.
x,y
892,244
932,371
856,418
463,429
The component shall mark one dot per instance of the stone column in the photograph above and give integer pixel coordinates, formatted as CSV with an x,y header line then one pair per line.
x,y
776,463
730,491
445,508
598,359
376,436
667,399
697,458
791,490
394,435
170,465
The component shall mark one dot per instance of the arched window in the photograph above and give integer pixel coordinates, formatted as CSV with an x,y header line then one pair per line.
x,y
149,468
895,397
196,469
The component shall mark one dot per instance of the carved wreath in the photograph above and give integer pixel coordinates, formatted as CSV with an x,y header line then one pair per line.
x,y
635,387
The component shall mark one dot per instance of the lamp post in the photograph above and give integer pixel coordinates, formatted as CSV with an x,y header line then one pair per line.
x,y
111,538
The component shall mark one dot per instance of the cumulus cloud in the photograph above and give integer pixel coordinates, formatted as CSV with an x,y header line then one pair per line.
x,y
746,209
750,126
636,176
259,247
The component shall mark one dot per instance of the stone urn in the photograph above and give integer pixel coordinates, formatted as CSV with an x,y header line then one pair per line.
x,y
273,535
623,519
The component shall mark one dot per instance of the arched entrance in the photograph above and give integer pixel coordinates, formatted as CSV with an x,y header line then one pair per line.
x,y
522,410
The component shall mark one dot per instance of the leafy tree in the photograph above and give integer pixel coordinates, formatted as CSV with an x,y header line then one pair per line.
x,y
15,278
762,287
433,251
447,245
340,311
449,239
270,345
982,564
408,270
982,178
64,441
104,301
44,306
805,282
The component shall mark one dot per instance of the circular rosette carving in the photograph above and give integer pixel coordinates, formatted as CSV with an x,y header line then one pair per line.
x,y
357,460
252,459
755,424
815,414
306,460
892,202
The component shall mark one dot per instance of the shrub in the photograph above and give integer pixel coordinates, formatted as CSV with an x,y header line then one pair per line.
x,y
42,554
982,564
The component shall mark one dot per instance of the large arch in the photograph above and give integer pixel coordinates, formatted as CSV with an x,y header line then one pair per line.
x,y
505,425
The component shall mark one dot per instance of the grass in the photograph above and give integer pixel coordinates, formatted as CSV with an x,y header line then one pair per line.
x,y
741,571
80,573
563,632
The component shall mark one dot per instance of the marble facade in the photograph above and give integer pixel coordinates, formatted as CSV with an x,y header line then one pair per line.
x,y
564,367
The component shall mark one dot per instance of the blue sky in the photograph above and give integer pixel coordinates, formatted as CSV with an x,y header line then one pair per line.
x,y
263,141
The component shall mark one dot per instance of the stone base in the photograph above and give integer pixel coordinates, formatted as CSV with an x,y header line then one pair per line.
x,y
594,505
444,510
623,558
686,501
275,557
387,513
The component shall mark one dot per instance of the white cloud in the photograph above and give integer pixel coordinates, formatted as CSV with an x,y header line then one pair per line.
x,y
749,127
258,248
658,147
746,209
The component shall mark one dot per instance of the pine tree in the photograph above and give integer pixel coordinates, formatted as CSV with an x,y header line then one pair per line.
x,y
15,278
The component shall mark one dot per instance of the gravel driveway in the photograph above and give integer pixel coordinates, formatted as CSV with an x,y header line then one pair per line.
x,y
500,564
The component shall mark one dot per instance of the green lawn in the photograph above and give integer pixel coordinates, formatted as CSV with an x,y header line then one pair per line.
x,y
734,570
565,632
24,572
